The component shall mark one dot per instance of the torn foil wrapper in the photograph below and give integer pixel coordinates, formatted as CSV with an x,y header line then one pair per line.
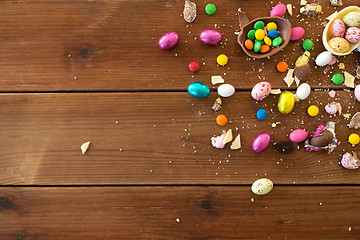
x,y
323,138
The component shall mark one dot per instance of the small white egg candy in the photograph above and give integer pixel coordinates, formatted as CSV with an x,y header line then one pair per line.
x,y
303,91
226,90
262,186
323,58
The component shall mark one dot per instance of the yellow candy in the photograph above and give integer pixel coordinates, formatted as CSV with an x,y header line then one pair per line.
x,y
267,41
259,34
313,110
222,59
354,139
271,26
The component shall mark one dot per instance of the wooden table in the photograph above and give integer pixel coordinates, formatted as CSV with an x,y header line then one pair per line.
x,y
77,71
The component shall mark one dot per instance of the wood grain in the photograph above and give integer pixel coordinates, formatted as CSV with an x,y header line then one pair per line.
x,y
328,213
112,45
165,139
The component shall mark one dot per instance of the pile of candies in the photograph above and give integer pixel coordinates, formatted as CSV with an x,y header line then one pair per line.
x,y
261,38
344,32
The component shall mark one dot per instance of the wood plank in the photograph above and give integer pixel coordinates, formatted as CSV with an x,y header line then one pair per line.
x,y
113,45
202,213
165,138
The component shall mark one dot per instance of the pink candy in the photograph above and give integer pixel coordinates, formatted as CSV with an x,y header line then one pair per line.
x,y
353,34
297,33
278,11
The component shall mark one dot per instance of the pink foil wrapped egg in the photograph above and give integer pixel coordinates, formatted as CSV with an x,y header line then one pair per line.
x,y
298,135
210,37
297,33
168,40
353,34
261,90
337,28
261,142
278,11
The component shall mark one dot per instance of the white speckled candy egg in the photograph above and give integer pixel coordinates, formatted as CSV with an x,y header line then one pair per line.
x,y
262,186
303,91
323,58
337,28
357,92
226,90
353,34
339,44
261,90
352,19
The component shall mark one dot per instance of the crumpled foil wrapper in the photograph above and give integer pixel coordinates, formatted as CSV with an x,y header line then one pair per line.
x,y
330,126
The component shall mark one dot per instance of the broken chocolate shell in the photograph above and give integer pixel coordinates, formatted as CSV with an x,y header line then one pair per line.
x,y
302,72
350,161
355,121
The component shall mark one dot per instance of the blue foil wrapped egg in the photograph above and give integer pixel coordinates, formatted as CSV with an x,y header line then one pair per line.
x,y
198,89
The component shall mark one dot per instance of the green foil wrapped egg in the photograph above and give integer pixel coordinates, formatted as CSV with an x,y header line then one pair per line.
x,y
286,102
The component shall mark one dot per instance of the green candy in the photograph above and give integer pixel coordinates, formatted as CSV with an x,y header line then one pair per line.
x,y
260,41
259,25
210,9
251,34
257,47
307,44
338,78
277,41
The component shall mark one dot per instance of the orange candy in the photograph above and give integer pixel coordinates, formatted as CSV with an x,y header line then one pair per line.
x,y
282,66
221,120
249,44
264,48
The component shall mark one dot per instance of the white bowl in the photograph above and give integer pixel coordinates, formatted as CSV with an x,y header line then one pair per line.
x,y
326,34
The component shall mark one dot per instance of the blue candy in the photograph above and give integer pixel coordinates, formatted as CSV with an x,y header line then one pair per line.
x,y
198,89
273,34
261,114
288,20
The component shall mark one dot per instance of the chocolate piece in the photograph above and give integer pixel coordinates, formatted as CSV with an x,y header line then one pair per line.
x,y
189,11
302,72
324,139
355,121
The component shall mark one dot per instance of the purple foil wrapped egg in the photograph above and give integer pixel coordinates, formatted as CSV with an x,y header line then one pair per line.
x,y
278,11
297,33
210,37
168,40
261,142
298,135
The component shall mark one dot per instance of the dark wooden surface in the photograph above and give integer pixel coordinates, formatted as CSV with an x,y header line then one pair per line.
x,y
77,71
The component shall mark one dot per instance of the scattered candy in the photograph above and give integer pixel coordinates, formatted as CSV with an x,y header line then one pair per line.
x,y
349,80
198,89
338,78
228,137
332,93
354,139
353,34
226,90
210,37
323,58
298,135
222,60
261,114
286,102
289,9
278,11
332,61
189,11
282,66
168,40
221,120
261,90
217,104
84,147
194,66
297,33
350,161
303,59
340,45
210,9
271,26
303,91
336,3
218,141
262,186
313,111
308,44
261,142
337,28
302,72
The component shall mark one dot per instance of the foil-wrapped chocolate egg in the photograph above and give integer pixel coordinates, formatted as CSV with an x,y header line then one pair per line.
x,y
168,40
324,139
210,37
286,102
261,142
198,89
